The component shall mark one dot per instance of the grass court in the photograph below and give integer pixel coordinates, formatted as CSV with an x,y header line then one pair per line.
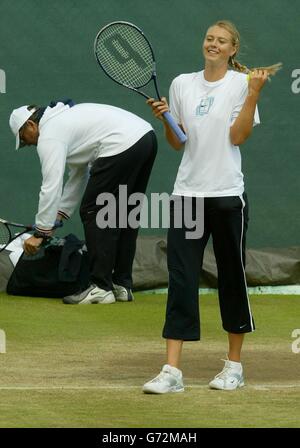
x,y
84,366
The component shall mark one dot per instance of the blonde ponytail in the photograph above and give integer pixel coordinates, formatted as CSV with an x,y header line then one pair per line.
x,y
237,66
271,69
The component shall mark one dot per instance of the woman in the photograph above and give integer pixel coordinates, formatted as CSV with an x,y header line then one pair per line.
x,y
217,109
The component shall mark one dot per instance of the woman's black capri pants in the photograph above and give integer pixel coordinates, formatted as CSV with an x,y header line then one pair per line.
x,y
225,219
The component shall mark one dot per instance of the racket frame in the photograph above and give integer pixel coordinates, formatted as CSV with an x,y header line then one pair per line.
x,y
153,76
12,237
175,127
27,228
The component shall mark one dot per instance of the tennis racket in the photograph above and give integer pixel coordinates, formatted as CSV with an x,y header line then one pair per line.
x,y
7,231
126,56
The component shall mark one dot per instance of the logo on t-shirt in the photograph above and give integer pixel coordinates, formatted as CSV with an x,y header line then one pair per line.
x,y
204,107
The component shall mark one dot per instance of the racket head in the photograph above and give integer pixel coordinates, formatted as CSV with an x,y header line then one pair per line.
x,y
5,234
16,224
125,54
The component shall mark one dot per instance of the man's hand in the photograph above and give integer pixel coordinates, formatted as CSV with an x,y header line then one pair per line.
x,y
59,222
32,245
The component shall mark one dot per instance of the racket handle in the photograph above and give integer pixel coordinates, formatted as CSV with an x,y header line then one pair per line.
x,y
179,133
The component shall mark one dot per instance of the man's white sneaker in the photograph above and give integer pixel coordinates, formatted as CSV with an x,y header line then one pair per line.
x,y
230,378
122,294
169,380
91,295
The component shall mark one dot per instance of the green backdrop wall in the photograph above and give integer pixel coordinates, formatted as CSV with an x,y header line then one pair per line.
x,y
47,52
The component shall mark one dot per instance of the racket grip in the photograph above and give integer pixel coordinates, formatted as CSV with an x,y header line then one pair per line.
x,y
179,133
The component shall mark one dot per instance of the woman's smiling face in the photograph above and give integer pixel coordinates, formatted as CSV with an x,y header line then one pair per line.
x,y
217,46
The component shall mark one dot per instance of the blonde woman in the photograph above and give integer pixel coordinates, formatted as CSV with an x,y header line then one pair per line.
x,y
217,108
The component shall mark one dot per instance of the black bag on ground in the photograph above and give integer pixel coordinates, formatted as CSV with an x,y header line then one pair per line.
x,y
59,269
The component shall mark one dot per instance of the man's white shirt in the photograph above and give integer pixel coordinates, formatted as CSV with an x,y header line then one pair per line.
x,y
76,137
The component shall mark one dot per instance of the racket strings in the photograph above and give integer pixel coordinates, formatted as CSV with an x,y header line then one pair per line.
x,y
125,55
5,234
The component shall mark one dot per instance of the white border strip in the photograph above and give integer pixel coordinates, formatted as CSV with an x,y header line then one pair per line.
x,y
243,267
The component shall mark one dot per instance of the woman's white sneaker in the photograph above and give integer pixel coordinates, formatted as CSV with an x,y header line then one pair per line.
x,y
169,380
230,378
122,294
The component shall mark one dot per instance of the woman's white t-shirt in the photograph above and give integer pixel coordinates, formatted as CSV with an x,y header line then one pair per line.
x,y
211,164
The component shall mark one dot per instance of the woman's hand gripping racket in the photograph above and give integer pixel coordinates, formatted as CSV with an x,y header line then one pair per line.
x,y
126,56
7,231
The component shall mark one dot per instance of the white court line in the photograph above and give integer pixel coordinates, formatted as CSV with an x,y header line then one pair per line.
x,y
269,290
123,387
